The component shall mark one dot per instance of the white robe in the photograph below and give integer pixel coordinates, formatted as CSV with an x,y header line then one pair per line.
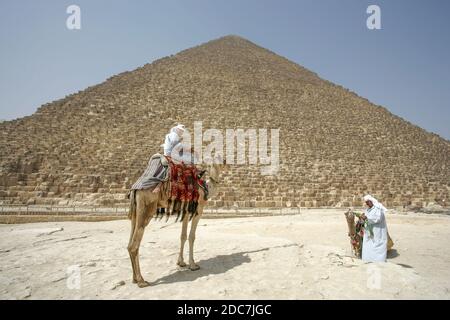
x,y
174,147
375,248
172,139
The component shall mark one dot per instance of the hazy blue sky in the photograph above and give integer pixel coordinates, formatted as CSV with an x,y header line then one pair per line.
x,y
404,67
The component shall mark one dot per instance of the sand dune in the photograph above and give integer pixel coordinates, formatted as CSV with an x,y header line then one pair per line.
x,y
304,256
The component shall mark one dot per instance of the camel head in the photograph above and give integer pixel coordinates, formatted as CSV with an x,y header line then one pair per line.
x,y
215,166
349,215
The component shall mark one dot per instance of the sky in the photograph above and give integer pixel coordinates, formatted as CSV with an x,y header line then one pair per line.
x,y
404,66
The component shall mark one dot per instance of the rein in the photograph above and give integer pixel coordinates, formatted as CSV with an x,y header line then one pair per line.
x,y
213,180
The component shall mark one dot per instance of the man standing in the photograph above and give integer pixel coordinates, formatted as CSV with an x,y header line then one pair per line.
x,y
375,239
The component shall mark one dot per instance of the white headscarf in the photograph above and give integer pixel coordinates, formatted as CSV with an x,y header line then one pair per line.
x,y
375,202
179,129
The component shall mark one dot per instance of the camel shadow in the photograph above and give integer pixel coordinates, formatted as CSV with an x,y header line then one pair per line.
x,y
216,265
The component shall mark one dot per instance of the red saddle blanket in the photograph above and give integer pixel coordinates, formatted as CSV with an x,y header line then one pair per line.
x,y
184,181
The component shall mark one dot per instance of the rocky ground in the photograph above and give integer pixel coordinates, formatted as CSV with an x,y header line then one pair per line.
x,y
303,256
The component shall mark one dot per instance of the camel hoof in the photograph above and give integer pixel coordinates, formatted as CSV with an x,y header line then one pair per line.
x,y
135,281
194,267
181,264
143,284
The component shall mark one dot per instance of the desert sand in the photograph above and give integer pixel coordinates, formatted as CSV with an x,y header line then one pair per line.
x,y
305,256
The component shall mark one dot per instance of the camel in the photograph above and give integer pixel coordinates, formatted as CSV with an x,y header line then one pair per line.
x,y
355,238
144,204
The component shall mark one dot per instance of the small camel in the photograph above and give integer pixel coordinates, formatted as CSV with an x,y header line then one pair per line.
x,y
146,204
355,238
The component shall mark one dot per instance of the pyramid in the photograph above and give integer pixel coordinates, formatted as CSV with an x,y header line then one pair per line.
x,y
89,147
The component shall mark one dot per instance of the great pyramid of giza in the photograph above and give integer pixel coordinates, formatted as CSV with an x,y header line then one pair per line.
x,y
335,146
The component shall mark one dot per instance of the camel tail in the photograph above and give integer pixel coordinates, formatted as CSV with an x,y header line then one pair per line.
x,y
132,197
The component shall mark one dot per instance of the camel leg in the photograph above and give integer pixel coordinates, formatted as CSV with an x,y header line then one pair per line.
x,y
135,239
134,251
192,265
143,216
169,209
133,228
183,239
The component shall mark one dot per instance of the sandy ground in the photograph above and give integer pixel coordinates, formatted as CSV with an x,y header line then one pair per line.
x,y
305,256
